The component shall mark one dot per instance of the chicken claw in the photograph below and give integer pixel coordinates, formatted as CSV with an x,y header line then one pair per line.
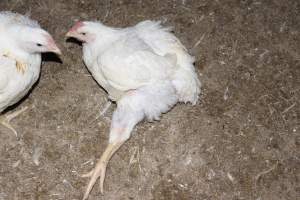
x,y
5,120
100,169
97,172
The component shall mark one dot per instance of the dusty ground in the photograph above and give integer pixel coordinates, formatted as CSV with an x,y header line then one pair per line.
x,y
240,142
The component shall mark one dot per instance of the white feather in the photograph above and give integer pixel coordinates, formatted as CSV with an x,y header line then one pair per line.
x,y
127,59
13,84
145,68
163,42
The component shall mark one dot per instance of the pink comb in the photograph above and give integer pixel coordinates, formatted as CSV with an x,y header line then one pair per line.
x,y
76,26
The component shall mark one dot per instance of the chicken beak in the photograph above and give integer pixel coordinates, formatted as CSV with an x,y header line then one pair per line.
x,y
52,47
71,34
57,51
73,31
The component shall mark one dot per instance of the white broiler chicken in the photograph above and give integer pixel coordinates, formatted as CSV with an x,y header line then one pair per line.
x,y
21,43
145,69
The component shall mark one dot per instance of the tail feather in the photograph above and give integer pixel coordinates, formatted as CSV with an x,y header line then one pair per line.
x,y
165,43
187,85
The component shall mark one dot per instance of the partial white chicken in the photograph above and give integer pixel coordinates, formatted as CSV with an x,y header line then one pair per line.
x,y
144,68
22,41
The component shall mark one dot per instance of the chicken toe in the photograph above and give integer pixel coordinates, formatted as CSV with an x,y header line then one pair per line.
x,y
100,169
5,119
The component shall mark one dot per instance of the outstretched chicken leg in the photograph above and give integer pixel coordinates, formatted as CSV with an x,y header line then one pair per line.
x,y
131,109
5,119
123,121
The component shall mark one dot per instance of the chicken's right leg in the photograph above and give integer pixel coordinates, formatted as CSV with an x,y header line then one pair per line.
x,y
5,119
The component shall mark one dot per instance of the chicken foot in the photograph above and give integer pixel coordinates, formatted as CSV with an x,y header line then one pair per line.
x,y
100,169
5,119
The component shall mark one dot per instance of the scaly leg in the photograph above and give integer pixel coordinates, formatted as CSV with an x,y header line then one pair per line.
x,y
100,169
5,120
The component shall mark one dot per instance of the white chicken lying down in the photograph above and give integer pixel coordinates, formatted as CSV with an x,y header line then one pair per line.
x,y
22,41
145,69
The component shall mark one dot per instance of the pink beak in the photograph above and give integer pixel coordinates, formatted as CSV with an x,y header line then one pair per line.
x,y
73,30
52,46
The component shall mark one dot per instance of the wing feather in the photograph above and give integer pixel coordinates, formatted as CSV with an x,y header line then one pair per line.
x,y
136,70
6,65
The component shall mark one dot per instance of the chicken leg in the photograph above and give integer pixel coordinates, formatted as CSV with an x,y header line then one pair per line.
x,y
124,119
131,109
100,169
5,119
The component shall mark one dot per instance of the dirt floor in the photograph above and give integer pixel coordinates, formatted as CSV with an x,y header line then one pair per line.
x,y
241,141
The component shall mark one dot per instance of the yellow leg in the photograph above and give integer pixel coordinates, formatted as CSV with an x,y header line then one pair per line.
x,y
5,120
100,169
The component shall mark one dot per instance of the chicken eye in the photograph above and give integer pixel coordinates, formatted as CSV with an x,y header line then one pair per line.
x,y
83,33
39,45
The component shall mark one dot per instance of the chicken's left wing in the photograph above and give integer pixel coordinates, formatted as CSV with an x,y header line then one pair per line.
x,y
137,69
